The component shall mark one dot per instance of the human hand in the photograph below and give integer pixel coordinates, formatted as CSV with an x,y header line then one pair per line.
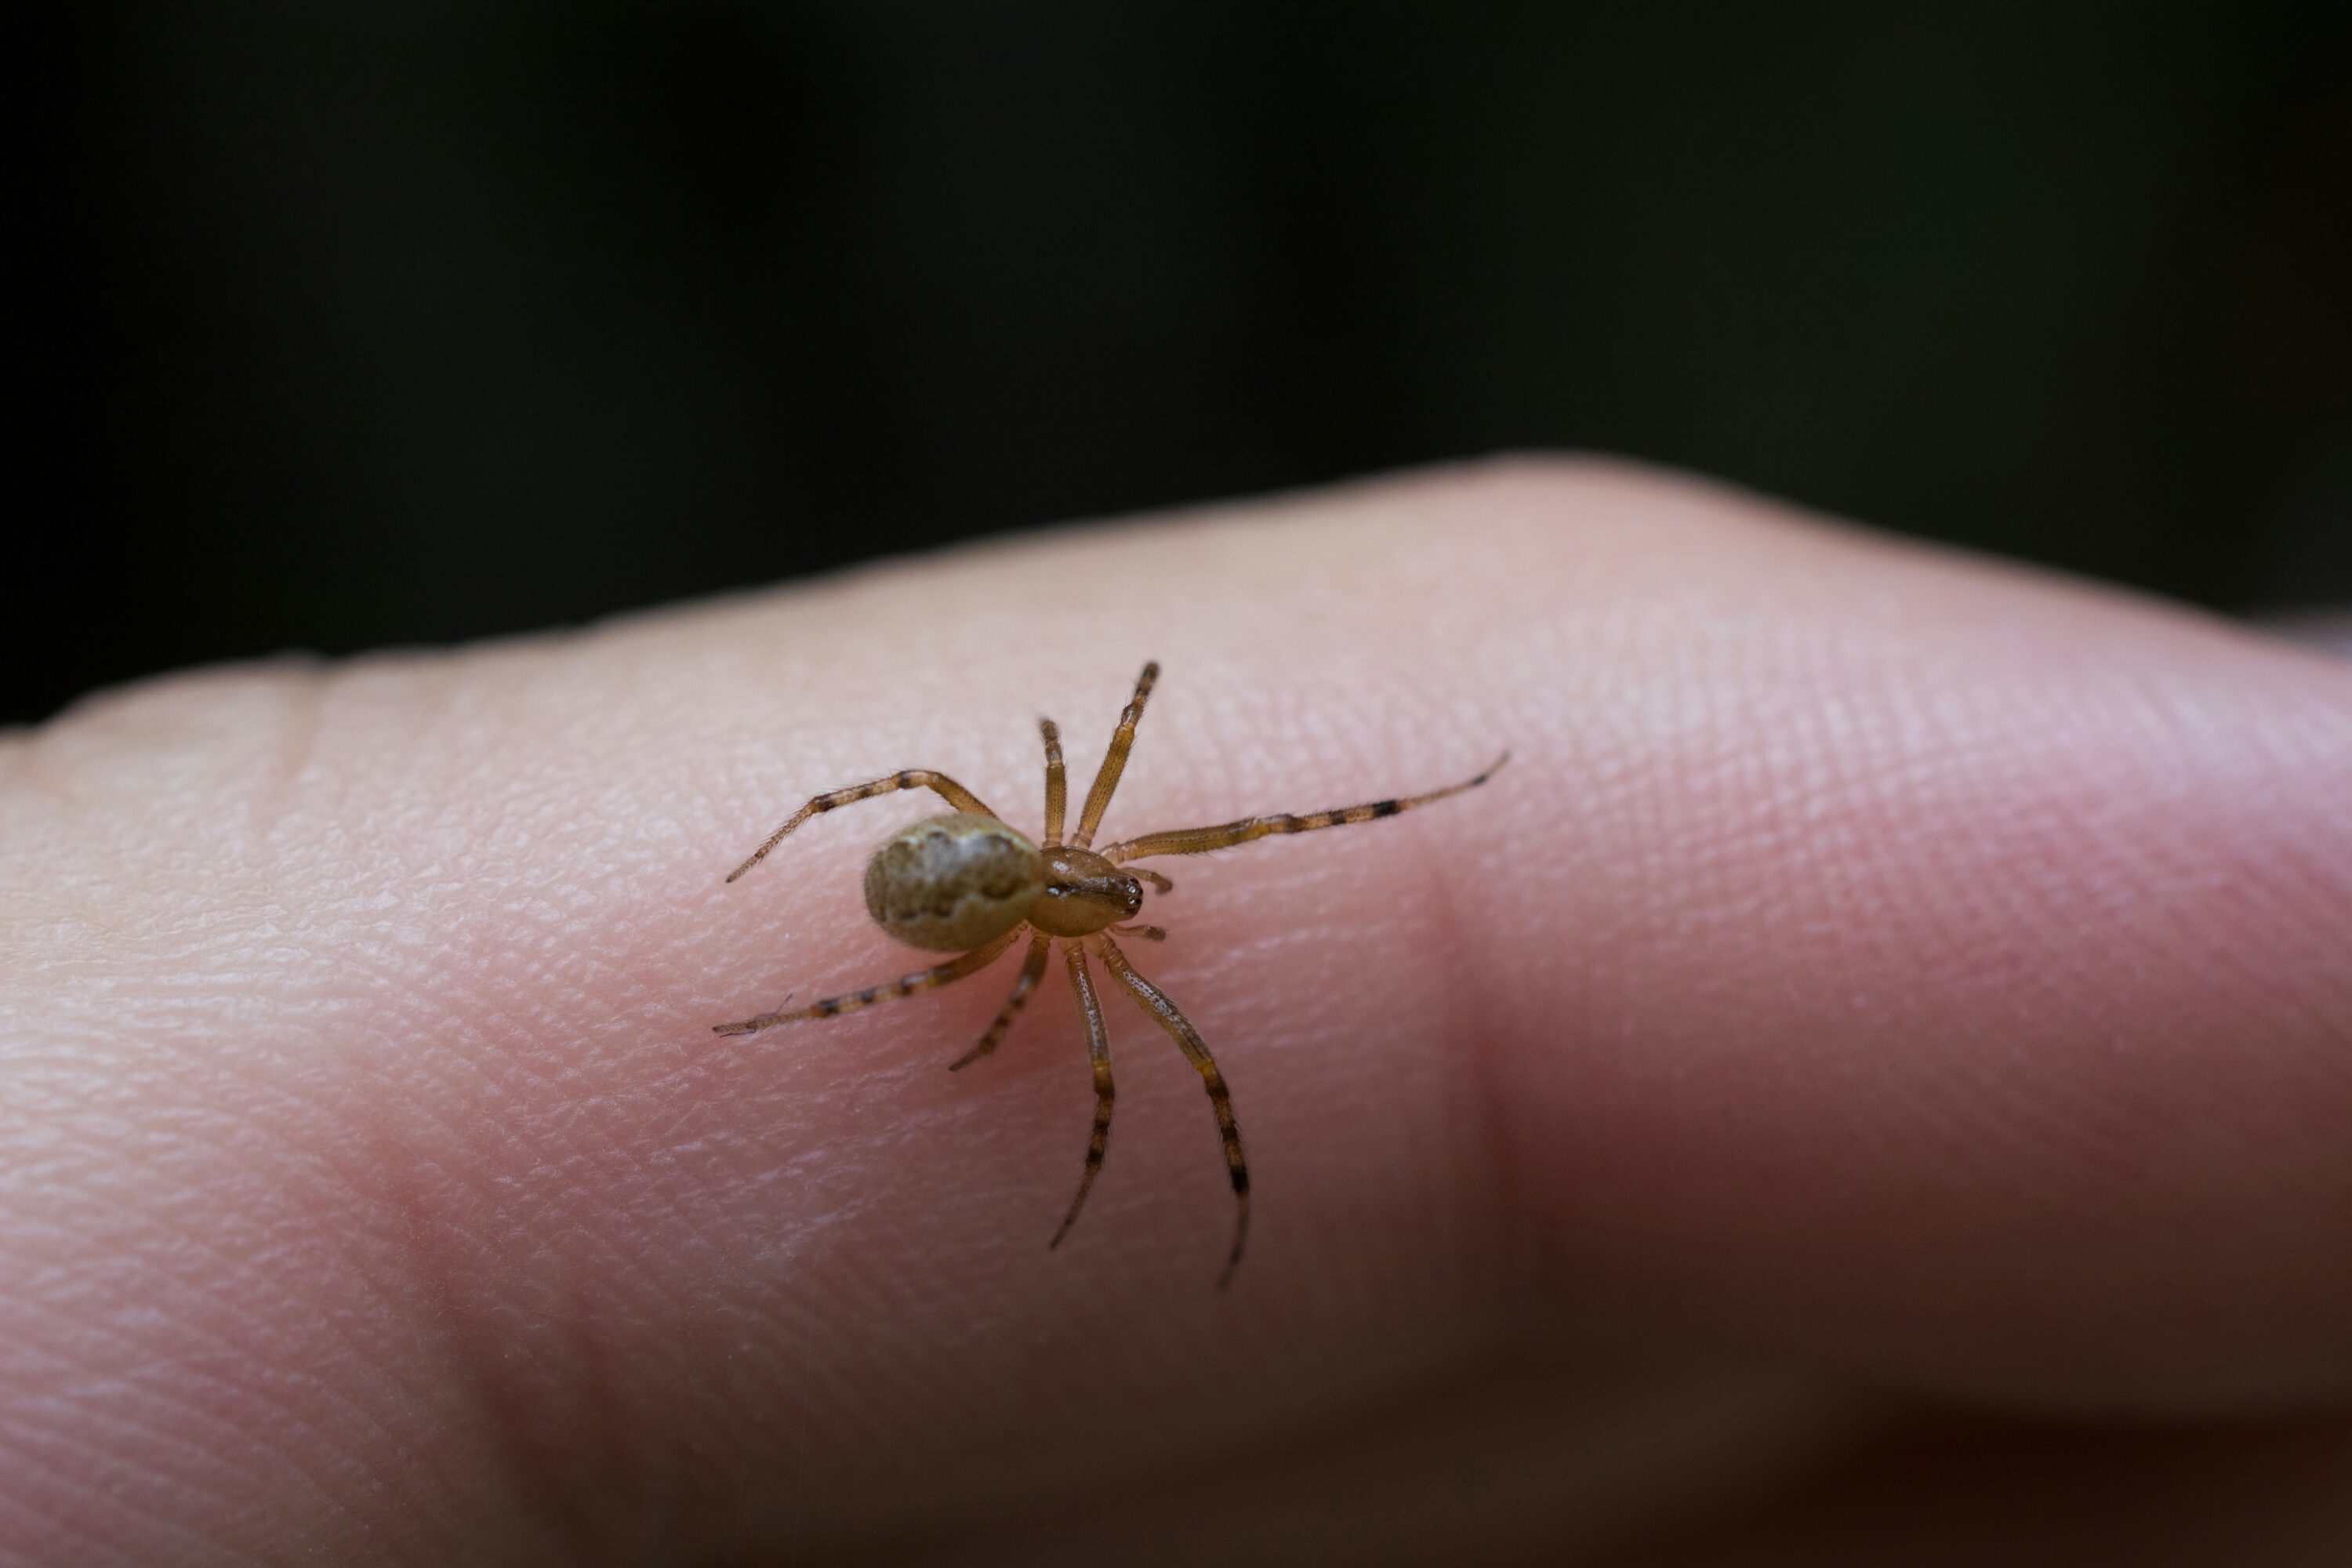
x,y
1870,1080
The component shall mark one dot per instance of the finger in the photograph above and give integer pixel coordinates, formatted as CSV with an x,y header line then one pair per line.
x,y
1885,959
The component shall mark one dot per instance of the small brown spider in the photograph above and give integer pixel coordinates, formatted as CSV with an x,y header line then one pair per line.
x,y
965,882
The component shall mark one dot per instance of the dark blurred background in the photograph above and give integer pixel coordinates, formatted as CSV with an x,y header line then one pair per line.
x,y
365,323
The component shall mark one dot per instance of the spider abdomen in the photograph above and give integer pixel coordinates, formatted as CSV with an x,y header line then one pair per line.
x,y
952,882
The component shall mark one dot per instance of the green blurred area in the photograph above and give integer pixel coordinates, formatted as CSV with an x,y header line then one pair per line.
x,y
386,324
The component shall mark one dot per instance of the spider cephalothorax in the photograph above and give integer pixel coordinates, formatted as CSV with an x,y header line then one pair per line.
x,y
967,883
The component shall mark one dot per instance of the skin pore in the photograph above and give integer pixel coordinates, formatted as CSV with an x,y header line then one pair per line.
x,y
1873,1068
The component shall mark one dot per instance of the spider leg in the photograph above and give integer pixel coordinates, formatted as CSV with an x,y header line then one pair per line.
x,y
971,962
1057,784
1032,969
1114,762
1201,840
1160,884
1164,1013
1148,933
1098,1050
939,784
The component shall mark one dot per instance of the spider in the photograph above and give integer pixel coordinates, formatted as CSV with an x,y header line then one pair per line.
x,y
967,883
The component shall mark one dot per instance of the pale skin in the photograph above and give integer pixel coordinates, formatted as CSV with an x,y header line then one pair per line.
x,y
1873,1072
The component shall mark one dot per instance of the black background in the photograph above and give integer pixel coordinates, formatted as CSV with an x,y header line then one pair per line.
x,y
363,323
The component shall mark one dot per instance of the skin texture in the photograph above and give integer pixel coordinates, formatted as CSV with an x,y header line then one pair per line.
x,y
1871,1076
